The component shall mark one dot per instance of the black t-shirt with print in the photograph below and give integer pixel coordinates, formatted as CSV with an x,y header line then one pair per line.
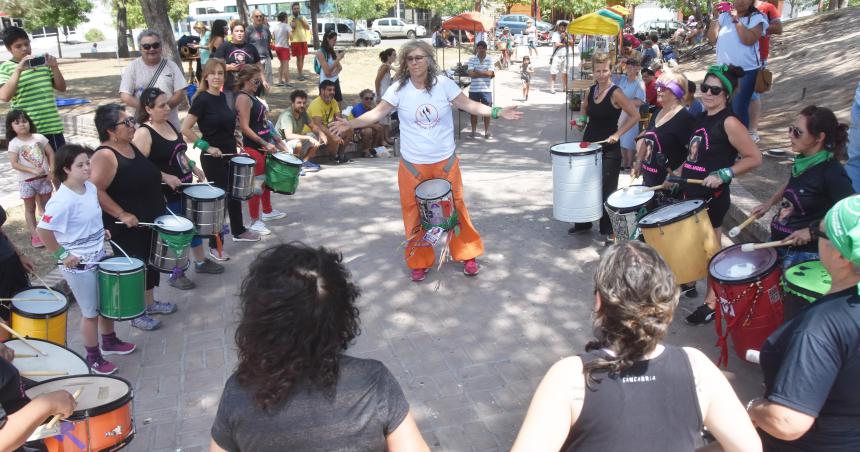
x,y
808,197
216,120
709,150
12,396
242,54
665,146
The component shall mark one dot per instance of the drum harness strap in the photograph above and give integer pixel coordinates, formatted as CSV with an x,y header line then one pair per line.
x,y
746,311
453,222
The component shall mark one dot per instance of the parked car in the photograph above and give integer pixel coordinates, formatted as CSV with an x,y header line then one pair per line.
x,y
344,28
392,27
517,24
665,28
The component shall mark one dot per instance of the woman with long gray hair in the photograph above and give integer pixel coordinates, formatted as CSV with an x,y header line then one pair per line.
x,y
629,391
423,97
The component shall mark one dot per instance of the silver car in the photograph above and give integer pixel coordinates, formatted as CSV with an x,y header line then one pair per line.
x,y
392,27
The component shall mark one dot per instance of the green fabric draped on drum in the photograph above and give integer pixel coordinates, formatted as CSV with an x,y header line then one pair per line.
x,y
807,280
448,224
280,177
177,242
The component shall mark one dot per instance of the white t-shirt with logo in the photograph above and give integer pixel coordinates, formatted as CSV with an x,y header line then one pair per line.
x,y
426,121
76,221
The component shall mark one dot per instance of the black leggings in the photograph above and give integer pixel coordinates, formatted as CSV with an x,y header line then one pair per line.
x,y
218,172
611,170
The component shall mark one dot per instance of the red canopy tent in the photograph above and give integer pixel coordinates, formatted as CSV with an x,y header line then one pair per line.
x,y
469,20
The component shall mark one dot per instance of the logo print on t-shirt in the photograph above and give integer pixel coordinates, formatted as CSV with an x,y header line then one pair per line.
x,y
695,149
426,116
239,57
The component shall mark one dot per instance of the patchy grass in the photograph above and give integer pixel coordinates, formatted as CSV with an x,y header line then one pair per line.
x,y
16,229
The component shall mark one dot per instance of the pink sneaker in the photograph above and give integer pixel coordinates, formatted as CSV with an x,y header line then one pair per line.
x,y
470,267
101,366
116,347
419,274
36,242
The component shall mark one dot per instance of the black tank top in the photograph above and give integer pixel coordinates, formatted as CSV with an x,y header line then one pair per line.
x,y
169,156
709,150
602,116
650,407
136,187
257,122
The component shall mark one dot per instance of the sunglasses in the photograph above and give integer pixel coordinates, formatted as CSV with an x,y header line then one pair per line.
x,y
416,58
153,46
795,132
715,90
128,122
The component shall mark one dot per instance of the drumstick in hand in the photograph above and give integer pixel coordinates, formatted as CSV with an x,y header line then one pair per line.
x,y
23,339
760,246
681,180
56,417
737,229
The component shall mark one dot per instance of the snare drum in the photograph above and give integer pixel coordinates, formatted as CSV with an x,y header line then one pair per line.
x,y
684,237
204,206
41,313
577,182
436,204
625,207
241,177
170,240
803,284
56,359
746,284
102,420
282,172
122,284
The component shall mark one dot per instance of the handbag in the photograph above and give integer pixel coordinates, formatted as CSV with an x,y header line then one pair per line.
x,y
763,80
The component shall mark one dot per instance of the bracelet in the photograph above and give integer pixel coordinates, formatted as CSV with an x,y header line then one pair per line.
x,y
494,114
725,174
192,163
752,402
201,144
61,253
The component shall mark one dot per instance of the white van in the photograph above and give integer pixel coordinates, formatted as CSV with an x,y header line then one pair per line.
x,y
344,27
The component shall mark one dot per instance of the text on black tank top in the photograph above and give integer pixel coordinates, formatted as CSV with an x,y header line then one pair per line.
x,y
652,406
709,150
136,187
257,122
169,156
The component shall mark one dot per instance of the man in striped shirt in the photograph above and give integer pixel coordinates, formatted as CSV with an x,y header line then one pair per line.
x,y
29,82
481,71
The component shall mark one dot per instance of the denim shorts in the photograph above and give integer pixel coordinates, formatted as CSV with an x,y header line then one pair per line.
x,y
485,98
789,257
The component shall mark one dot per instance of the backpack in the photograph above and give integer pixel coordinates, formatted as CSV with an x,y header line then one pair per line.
x,y
317,67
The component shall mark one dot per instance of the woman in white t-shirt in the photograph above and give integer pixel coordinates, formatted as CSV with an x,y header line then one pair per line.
x,y
73,231
423,98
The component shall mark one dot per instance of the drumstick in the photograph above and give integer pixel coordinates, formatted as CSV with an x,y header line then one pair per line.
x,y
185,184
139,224
25,355
23,339
222,155
123,251
681,180
28,299
737,229
42,282
654,188
43,373
56,417
171,212
759,246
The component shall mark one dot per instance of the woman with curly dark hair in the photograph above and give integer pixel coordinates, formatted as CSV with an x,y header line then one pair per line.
x,y
294,387
629,391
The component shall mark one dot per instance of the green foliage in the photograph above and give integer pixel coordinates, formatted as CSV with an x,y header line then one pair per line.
x,y
698,8
48,13
94,35
443,7
178,11
363,9
576,7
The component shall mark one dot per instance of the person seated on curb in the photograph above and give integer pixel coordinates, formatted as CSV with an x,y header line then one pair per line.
x,y
298,319
373,135
629,391
292,124
323,110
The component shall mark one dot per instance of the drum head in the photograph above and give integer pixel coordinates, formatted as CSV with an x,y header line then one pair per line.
x,y
632,197
58,359
171,223
101,393
671,213
809,278
121,264
732,265
204,192
289,159
242,160
432,189
39,301
574,149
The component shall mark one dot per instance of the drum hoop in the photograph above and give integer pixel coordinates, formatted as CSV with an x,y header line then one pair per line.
x,y
234,161
120,272
284,162
443,196
586,151
755,276
683,216
625,210
79,415
31,315
197,198
33,339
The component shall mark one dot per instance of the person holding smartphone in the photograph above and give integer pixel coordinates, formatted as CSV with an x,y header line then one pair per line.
x,y
299,39
29,82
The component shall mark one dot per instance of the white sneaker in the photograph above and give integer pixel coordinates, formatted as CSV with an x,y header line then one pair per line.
x,y
260,228
275,214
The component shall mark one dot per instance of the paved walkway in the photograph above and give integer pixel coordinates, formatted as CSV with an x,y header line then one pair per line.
x,y
468,352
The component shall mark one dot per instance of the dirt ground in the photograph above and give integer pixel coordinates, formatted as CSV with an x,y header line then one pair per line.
x,y
16,229
814,62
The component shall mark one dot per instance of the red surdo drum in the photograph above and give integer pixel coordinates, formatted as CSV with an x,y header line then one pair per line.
x,y
746,284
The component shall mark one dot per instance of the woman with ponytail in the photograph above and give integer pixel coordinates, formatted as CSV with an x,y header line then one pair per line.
x,y
629,391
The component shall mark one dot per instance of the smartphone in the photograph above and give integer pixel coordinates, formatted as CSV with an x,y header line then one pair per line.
x,y
36,61
724,7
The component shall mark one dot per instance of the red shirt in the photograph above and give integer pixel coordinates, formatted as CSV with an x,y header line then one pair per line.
x,y
651,93
764,42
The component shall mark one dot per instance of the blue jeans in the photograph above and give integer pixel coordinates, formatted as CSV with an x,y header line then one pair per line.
x,y
743,96
853,165
789,257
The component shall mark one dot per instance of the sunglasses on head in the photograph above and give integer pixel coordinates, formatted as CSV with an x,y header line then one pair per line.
x,y
715,90
153,46
128,122
795,132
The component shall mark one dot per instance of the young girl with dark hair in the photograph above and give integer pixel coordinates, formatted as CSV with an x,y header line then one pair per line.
x,y
74,234
329,62
30,155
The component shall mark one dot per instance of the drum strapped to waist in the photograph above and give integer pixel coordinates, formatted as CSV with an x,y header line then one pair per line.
x,y
577,182
625,207
170,242
204,206
282,172
41,313
122,284
436,204
241,177
803,284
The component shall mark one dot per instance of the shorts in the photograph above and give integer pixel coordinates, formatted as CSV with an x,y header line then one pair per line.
x,y
789,257
532,44
283,53
85,287
485,98
557,64
299,48
31,188
301,145
526,78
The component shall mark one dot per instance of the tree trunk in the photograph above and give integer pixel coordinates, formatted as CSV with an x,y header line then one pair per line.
x,y
121,29
155,14
59,49
478,5
242,6
315,7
